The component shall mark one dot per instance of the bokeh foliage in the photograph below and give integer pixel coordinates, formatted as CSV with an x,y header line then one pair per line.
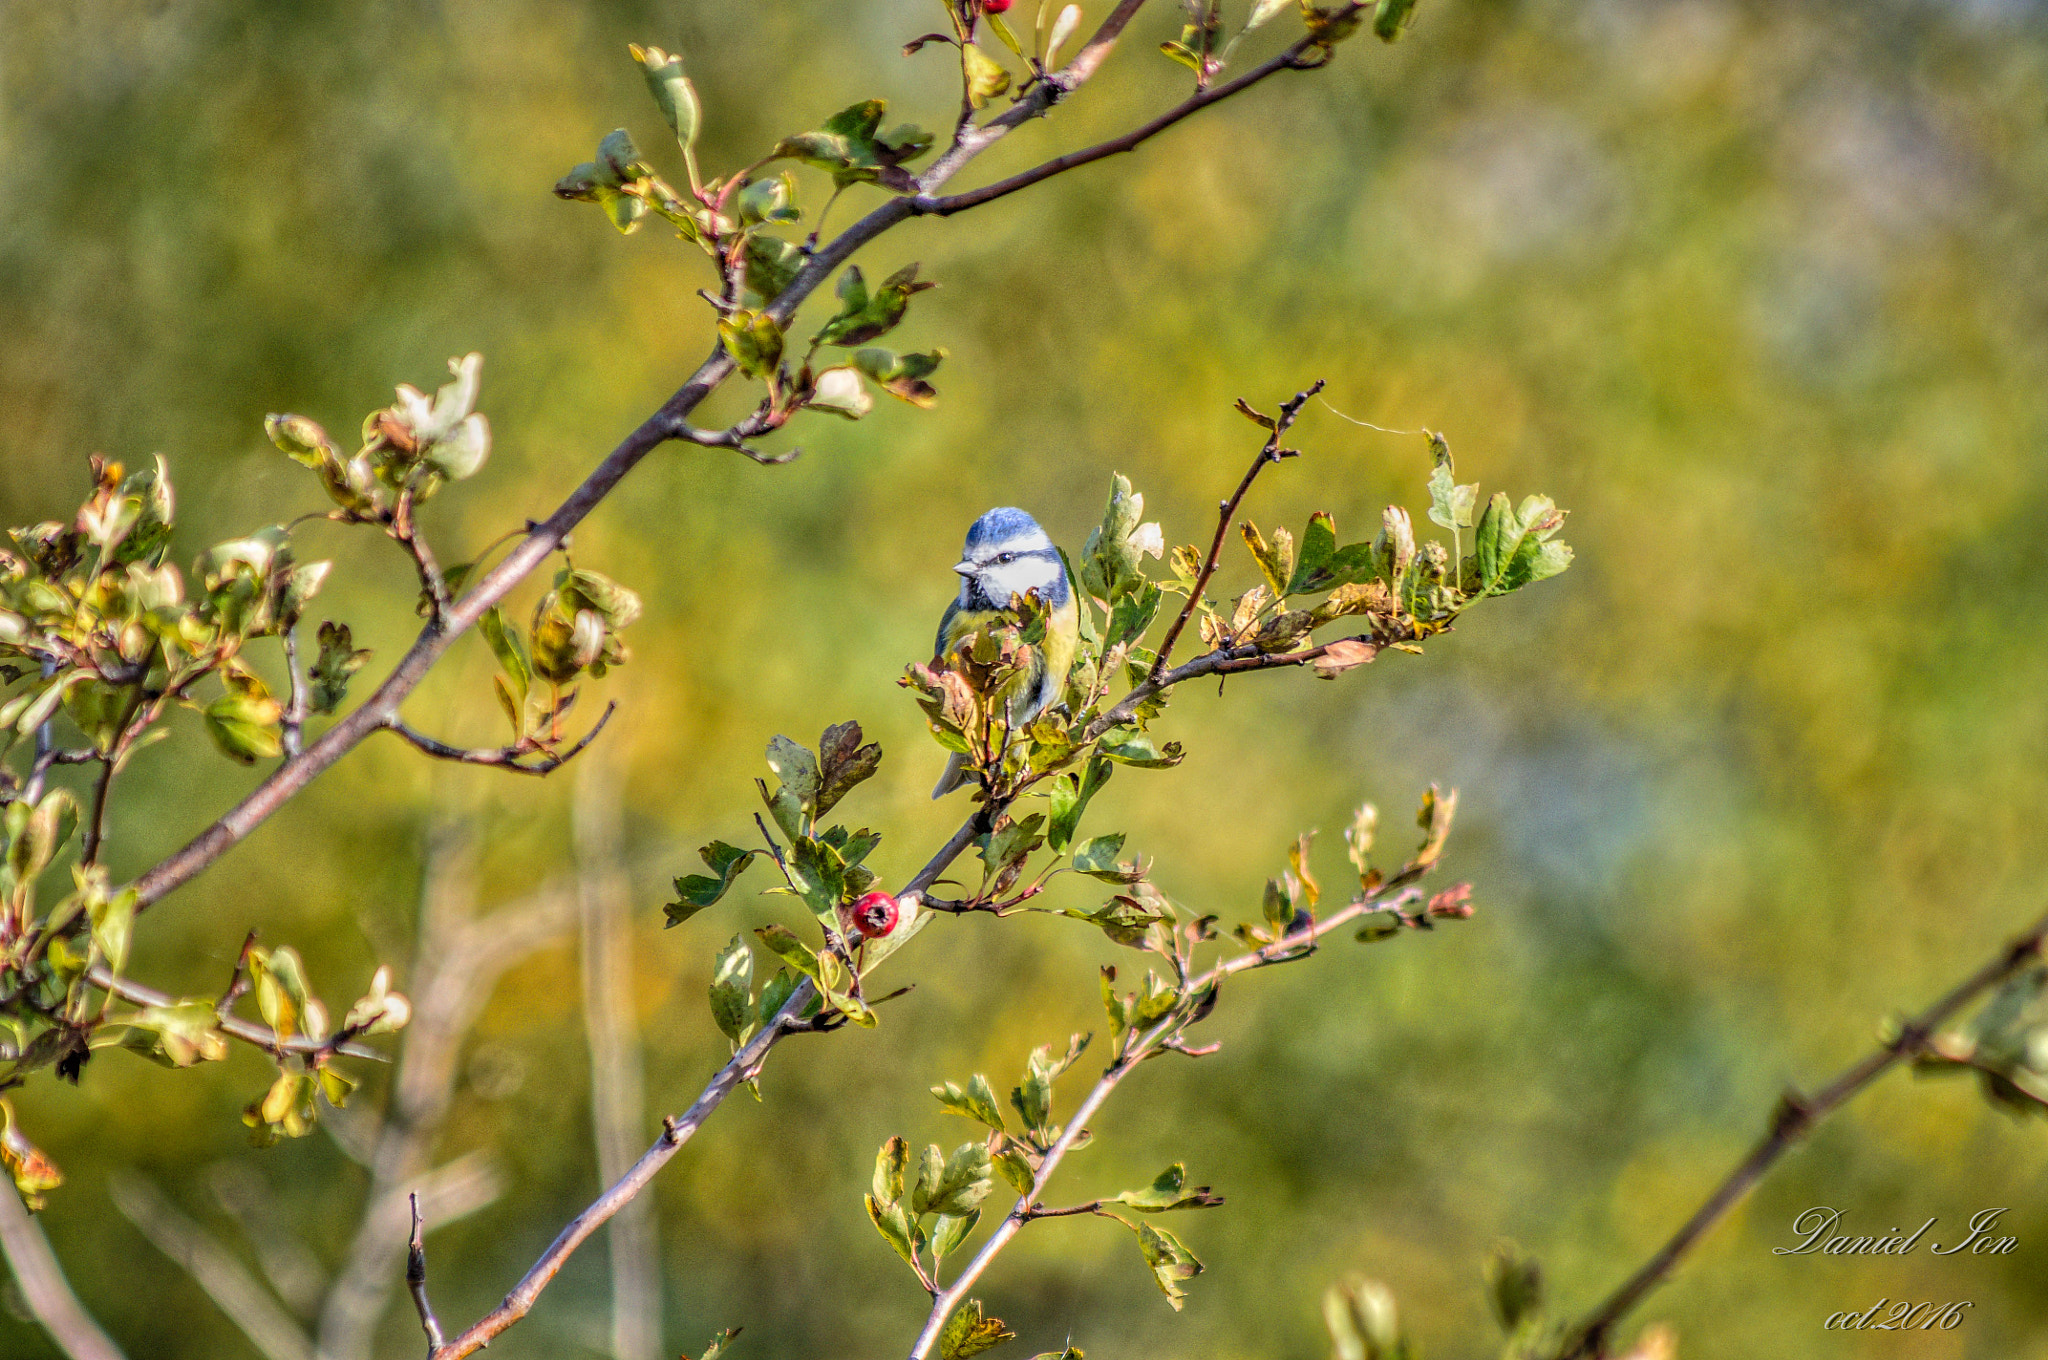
x,y
1757,290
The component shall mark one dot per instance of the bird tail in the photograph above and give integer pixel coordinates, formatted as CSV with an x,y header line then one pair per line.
x,y
954,777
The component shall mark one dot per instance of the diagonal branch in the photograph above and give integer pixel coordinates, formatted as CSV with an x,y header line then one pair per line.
x,y
44,1288
1269,453
1392,895
1791,1121
678,1129
1295,58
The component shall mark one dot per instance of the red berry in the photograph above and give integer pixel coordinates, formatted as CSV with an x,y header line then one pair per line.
x,y
875,915
994,6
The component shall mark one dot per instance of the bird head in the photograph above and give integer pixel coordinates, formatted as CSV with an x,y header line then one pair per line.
x,y
1007,554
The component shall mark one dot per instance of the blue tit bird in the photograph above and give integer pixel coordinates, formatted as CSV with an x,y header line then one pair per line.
x,y
1007,555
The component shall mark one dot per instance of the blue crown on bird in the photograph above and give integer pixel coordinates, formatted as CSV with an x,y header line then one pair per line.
x,y
1008,556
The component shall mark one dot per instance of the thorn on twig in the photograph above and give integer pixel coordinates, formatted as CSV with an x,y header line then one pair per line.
x,y
416,1278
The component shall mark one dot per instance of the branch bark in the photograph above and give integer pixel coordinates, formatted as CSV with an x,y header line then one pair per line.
x,y
1795,1117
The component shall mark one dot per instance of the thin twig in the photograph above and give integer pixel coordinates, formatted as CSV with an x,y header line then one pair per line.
x,y
416,1278
1226,511
503,757
261,1036
404,531
1293,59
677,1130
44,1288
1791,1121
1286,948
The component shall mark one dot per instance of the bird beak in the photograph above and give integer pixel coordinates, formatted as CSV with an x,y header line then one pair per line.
x,y
964,568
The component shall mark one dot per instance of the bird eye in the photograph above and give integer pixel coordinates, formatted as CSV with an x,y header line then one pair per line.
x,y
1004,559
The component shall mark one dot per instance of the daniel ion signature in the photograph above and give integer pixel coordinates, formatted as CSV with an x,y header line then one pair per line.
x,y
1817,1229
1820,1232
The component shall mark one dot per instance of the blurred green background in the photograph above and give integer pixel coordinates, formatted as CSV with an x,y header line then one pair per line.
x,y
1758,290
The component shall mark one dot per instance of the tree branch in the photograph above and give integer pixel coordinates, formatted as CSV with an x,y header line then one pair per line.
x,y
1295,945
44,1288
1791,1121
249,1032
1289,60
503,757
1269,453
416,1278
679,1129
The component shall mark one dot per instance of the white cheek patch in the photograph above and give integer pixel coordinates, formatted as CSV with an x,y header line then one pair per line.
x,y
1016,578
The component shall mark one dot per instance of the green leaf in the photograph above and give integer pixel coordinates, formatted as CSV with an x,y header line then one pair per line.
x,y
694,892
113,923
978,1101
716,1346
1070,796
820,878
775,994
672,91
732,984
280,985
1170,1260
931,1170
984,75
792,951
950,1231
1014,1167
1314,566
1514,1285
896,1228
338,660
1137,749
963,1183
864,316
1131,616
1390,19
1109,560
772,264
1168,1192
797,768
968,1333
890,1164
1097,859
754,341
1124,919
1450,505
853,148
902,375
